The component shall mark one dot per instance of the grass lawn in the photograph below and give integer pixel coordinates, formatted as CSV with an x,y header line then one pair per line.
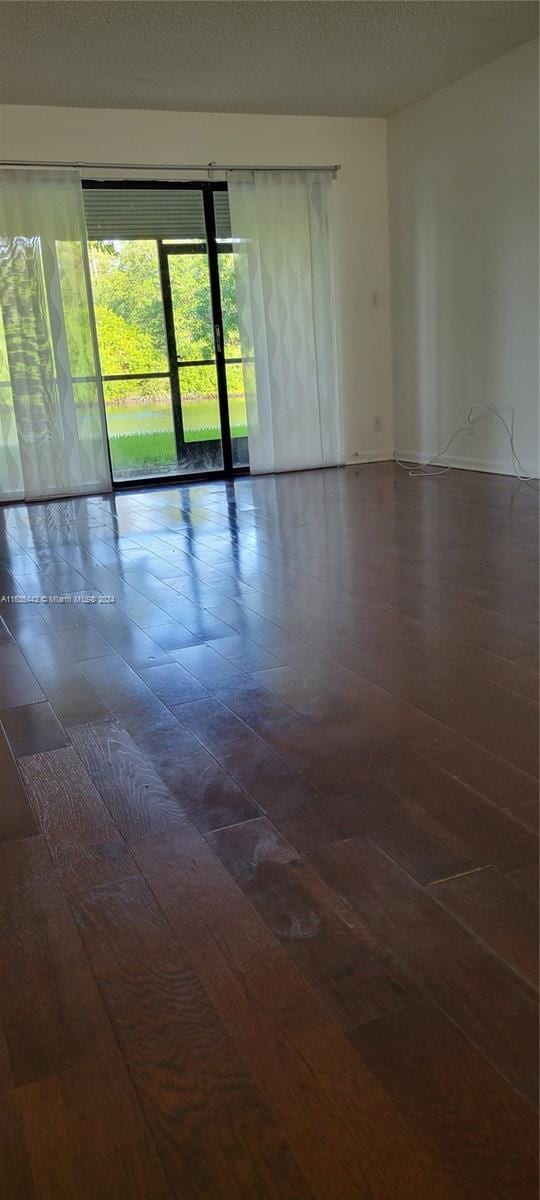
x,y
201,421
142,435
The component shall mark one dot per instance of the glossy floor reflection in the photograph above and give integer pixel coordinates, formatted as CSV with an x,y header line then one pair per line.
x,y
268,839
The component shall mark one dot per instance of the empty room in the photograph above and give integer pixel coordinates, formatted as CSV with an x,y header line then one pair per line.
x,y
269,463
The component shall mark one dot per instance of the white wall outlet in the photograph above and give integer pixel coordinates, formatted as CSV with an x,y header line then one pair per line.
x,y
495,416
378,425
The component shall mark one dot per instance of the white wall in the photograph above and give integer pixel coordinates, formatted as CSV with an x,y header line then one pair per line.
x,y
70,134
463,187
463,224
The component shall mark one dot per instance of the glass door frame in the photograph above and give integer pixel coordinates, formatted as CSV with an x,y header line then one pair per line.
x,y
165,250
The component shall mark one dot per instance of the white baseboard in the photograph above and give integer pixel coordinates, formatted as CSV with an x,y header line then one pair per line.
x,y
367,456
491,467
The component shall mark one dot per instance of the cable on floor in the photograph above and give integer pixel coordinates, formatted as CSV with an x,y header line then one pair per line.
x,y
424,468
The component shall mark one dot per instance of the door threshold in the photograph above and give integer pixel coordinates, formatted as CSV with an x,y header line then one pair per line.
x,y
126,485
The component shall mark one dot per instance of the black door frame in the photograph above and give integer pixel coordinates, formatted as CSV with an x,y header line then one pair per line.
x,y
165,250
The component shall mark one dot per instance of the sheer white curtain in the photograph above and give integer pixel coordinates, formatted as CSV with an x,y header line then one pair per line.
x,y
52,422
284,283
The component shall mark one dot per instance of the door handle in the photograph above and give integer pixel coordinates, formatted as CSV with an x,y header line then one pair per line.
x,y
217,331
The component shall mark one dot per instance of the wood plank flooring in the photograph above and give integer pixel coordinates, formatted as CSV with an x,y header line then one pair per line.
x,y
268,841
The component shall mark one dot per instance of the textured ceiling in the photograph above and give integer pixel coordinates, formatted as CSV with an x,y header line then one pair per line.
x,y
338,59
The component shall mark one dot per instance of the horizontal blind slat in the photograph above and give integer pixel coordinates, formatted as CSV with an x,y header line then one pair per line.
x,y
124,213
223,216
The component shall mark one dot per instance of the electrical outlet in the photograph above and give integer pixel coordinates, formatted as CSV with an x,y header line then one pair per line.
x,y
482,412
378,425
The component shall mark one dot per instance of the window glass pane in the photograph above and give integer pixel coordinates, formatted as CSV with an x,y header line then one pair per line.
x,y
192,306
237,414
141,430
237,399
200,405
129,308
229,310
240,452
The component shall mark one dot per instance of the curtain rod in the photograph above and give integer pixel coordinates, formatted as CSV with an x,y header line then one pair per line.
x,y
210,167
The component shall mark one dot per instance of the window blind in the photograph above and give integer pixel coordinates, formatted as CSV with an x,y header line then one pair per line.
x,y
123,213
223,216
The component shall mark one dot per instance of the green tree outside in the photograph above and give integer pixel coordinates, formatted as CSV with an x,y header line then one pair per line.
x,y
131,334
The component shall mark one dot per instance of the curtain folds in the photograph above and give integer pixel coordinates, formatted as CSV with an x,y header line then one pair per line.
x,y
53,438
284,283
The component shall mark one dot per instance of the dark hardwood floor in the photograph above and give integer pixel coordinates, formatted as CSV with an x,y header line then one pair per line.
x,y
268,860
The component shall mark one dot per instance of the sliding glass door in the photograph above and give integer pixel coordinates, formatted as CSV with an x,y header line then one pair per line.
x,y
164,293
